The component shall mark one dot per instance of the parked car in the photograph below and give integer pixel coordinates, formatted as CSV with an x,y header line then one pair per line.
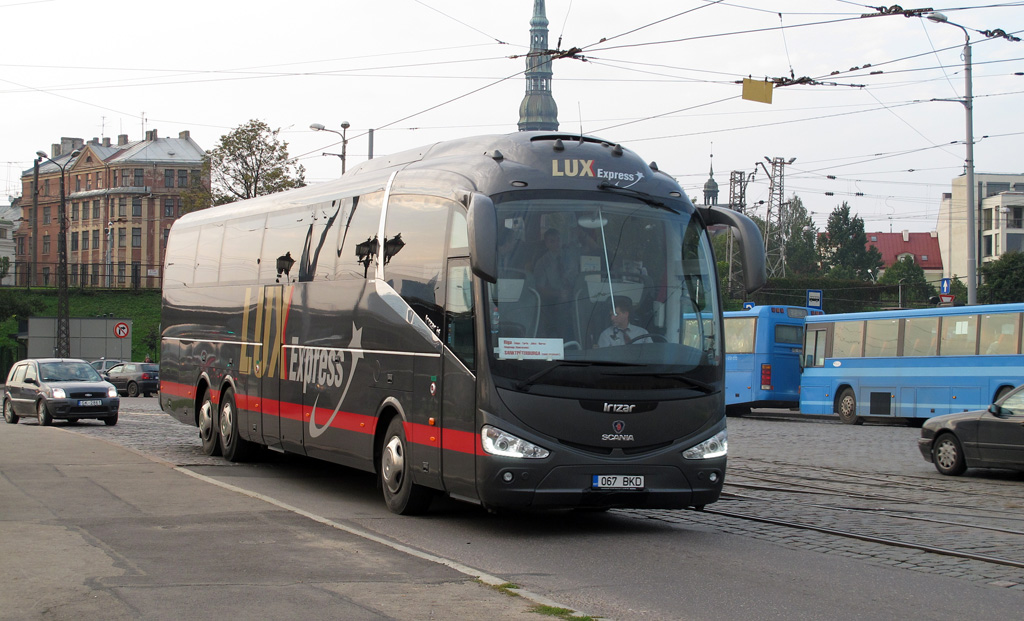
x,y
992,438
58,388
103,364
134,378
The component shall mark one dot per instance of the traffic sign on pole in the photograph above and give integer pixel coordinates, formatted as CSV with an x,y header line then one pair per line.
x,y
946,298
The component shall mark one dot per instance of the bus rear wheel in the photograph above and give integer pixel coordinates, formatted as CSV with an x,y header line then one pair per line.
x,y
208,425
400,493
232,445
846,408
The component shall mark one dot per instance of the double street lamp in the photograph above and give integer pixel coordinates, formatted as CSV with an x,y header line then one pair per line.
x,y
63,349
319,127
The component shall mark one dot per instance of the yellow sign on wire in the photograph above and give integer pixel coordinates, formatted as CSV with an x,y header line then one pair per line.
x,y
757,90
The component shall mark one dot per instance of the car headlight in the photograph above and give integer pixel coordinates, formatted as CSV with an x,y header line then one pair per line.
x,y
58,393
498,442
715,446
111,391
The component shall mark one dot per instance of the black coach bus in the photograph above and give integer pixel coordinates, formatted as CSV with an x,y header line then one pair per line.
x,y
529,320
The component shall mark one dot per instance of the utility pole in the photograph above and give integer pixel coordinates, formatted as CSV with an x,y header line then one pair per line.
x,y
775,220
738,181
63,313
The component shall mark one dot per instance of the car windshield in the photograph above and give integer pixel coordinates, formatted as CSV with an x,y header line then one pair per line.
x,y
66,371
602,290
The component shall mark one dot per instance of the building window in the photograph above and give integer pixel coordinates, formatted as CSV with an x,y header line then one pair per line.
x,y
167,233
120,270
85,274
85,240
115,179
99,184
46,244
74,211
88,182
136,237
169,208
168,178
3,233
194,175
122,207
95,210
46,187
182,178
138,178
21,243
74,241
46,276
95,274
46,215
96,239
136,207
121,237
78,183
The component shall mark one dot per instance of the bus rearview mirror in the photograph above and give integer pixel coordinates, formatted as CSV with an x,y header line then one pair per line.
x,y
754,271
483,237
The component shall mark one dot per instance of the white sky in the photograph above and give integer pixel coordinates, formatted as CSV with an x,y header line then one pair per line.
x,y
662,84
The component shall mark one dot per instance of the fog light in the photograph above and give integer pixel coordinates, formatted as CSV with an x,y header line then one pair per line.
x,y
713,477
507,476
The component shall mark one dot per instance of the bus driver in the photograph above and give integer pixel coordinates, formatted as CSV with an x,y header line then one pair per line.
x,y
621,332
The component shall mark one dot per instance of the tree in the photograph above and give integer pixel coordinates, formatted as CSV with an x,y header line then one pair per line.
x,y
844,249
1002,279
249,161
801,252
14,303
914,288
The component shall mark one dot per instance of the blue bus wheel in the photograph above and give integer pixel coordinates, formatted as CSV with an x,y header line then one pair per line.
x,y
846,407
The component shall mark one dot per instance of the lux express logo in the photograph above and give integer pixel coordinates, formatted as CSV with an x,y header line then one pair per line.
x,y
587,168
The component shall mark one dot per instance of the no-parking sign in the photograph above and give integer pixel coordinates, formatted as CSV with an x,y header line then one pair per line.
x,y
121,330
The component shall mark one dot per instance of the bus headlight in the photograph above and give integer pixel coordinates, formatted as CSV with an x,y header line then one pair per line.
x,y
497,442
715,446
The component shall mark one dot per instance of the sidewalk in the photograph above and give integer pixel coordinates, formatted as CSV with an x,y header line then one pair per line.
x,y
89,530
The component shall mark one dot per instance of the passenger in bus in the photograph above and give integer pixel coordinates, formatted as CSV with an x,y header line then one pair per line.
x,y
621,332
1004,344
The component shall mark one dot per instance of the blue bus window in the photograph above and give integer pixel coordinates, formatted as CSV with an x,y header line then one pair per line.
x,y
881,337
848,336
959,336
999,334
920,336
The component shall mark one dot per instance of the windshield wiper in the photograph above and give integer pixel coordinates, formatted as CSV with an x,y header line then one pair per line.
x,y
681,377
526,383
647,198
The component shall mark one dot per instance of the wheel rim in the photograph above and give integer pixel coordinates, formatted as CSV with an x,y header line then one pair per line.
x,y
40,412
393,464
206,421
945,454
133,390
846,406
227,417
8,413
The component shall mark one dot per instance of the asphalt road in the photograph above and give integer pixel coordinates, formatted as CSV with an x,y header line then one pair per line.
x,y
684,564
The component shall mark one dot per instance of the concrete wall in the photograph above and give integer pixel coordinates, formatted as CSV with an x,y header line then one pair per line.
x,y
91,338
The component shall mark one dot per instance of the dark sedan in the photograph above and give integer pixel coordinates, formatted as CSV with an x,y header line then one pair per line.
x,y
992,438
52,388
134,378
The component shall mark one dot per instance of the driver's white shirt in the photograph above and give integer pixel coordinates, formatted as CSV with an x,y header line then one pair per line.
x,y
614,336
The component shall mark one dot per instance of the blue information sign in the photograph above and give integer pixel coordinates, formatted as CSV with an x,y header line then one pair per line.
x,y
947,284
748,305
814,298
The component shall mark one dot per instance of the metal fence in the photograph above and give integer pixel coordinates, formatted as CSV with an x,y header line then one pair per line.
x,y
85,275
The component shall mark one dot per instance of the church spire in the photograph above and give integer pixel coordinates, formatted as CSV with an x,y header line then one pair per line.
x,y
711,186
538,110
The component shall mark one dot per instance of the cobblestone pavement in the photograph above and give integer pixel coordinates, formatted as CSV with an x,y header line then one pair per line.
x,y
866,480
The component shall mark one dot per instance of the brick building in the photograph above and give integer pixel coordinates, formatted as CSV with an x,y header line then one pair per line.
x,y
120,200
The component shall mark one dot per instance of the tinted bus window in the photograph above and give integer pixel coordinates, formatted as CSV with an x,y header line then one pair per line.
x,y
920,336
211,237
357,251
881,337
959,336
739,335
847,342
790,335
414,250
282,245
180,258
999,334
239,260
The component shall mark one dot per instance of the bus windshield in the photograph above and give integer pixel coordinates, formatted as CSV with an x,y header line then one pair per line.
x,y
602,291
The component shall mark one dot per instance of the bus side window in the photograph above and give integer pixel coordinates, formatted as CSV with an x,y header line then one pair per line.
x,y
415,239
459,334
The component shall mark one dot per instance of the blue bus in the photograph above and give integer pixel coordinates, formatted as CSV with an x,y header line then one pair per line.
x,y
912,364
762,357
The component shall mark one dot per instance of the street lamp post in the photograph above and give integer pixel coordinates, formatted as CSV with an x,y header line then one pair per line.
x,y
968,102
319,127
63,327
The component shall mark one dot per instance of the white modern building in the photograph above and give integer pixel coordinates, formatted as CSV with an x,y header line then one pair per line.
x,y
999,225
10,218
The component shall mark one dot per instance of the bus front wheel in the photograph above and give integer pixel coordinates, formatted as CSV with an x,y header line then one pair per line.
x,y
400,493
846,408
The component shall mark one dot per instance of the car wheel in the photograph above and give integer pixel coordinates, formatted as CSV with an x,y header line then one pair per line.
x,y
846,407
9,414
43,414
110,421
400,493
948,455
133,389
208,425
232,445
